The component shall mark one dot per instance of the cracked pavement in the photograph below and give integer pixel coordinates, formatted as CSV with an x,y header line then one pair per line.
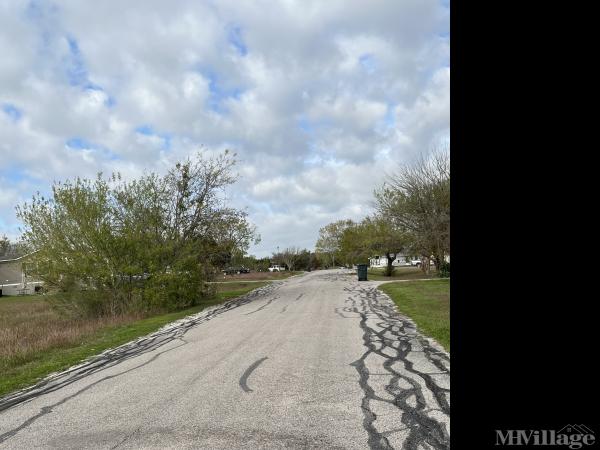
x,y
316,361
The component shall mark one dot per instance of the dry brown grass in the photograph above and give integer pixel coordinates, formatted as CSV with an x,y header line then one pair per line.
x,y
28,325
256,276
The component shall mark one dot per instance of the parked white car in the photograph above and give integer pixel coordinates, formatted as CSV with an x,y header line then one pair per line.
x,y
276,268
417,262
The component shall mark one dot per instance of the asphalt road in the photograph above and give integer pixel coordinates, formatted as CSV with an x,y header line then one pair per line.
x,y
319,361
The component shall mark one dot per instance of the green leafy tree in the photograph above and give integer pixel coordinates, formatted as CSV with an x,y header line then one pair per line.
x,y
290,256
114,246
383,237
373,235
417,199
329,241
304,260
4,246
263,264
354,245
10,250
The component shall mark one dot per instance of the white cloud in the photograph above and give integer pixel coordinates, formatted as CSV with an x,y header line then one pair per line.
x,y
317,98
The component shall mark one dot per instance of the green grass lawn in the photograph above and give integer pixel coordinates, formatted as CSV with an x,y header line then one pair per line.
x,y
400,273
425,302
225,291
26,364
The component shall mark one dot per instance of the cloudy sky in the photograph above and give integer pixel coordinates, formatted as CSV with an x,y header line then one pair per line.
x,y
318,98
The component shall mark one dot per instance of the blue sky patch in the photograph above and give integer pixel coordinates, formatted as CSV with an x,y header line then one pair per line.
x,y
305,125
38,9
147,130
78,143
76,71
110,101
89,86
78,75
312,127
367,61
12,111
218,91
15,174
390,117
234,36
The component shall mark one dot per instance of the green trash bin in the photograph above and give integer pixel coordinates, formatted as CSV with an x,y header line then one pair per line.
x,y
362,272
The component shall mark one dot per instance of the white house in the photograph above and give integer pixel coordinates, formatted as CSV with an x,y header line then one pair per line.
x,y
14,280
381,261
399,260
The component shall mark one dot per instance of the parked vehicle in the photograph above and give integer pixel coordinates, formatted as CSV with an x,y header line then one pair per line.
x,y
418,263
276,268
234,270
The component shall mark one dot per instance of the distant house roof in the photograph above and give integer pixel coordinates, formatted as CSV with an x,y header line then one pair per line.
x,y
17,259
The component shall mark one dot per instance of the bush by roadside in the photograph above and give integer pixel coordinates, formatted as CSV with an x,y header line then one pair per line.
x,y
113,247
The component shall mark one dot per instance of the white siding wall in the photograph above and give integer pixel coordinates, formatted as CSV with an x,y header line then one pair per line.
x,y
19,289
382,261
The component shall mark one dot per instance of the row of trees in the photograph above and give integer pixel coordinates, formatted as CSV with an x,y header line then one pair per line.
x,y
293,258
346,242
412,216
251,262
9,249
112,246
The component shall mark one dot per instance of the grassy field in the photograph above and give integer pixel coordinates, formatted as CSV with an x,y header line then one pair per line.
x,y
36,341
255,276
400,273
425,302
234,289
